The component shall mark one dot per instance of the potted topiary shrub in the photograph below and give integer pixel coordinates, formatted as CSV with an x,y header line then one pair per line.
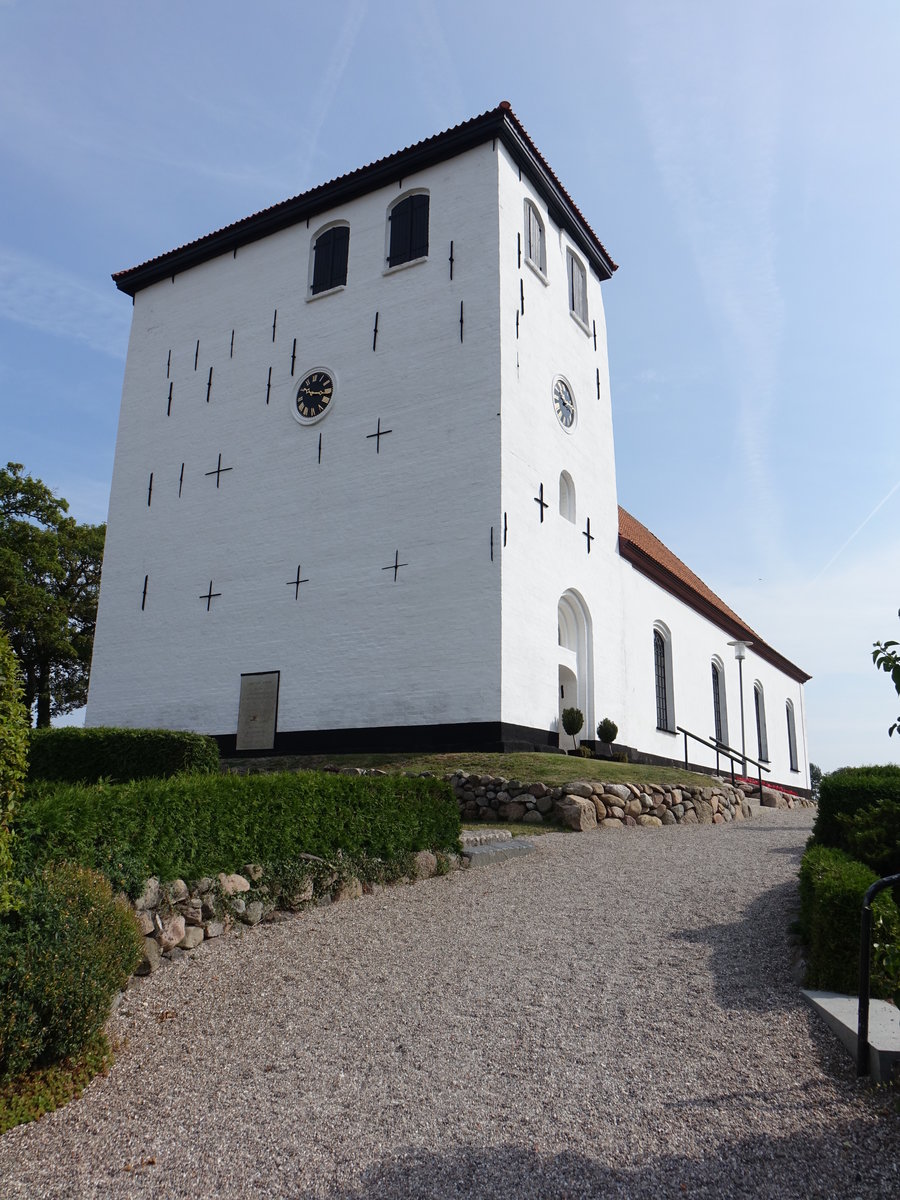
x,y
572,722
606,733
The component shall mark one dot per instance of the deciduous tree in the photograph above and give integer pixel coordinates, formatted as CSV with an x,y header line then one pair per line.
x,y
49,583
886,656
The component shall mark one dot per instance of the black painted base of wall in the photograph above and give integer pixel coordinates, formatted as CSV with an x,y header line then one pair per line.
x,y
492,737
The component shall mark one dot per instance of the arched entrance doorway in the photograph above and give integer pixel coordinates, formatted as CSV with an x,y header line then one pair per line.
x,y
576,661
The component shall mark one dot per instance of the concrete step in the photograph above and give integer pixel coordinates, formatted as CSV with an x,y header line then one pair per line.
x,y
841,1014
497,851
480,837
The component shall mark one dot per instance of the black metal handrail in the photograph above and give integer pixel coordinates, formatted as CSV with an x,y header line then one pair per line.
x,y
865,960
723,748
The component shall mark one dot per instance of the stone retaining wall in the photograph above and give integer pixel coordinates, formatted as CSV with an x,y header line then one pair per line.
x,y
177,917
584,805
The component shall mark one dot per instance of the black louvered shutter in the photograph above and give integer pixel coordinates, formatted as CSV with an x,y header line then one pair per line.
x,y
330,266
401,224
322,265
340,254
418,245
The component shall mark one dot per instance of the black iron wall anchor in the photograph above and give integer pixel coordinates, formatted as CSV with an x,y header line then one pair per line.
x,y
865,961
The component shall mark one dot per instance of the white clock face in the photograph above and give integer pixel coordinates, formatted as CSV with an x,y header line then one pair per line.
x,y
564,404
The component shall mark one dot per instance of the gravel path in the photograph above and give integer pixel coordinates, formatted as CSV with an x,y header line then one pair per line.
x,y
612,1016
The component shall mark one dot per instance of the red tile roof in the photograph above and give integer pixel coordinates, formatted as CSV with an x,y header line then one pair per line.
x,y
500,122
647,554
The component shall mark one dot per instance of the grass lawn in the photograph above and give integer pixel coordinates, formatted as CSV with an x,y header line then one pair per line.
x,y
530,768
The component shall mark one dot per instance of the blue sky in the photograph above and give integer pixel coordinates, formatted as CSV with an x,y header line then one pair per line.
x,y
740,163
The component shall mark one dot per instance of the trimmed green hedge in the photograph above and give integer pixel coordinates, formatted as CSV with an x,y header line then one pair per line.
x,y
64,954
195,825
832,889
76,755
872,835
845,793
13,762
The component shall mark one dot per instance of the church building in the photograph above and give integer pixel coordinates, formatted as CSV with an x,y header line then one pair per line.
x,y
364,493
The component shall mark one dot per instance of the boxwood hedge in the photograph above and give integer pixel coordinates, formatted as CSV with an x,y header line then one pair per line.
x,y
832,888
64,953
844,793
194,825
78,755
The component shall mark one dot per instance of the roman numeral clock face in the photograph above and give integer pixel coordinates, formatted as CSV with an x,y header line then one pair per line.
x,y
564,405
314,395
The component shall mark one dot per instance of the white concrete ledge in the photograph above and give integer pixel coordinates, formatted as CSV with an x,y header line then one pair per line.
x,y
841,1014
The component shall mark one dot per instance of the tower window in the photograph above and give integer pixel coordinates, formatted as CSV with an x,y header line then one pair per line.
x,y
567,497
535,250
577,287
330,255
409,229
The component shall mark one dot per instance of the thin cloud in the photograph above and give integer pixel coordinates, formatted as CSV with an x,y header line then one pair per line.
x,y
331,77
828,629
42,297
716,151
431,58
860,527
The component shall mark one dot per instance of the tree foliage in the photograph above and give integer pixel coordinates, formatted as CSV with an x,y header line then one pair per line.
x,y
49,583
815,778
572,721
13,761
886,656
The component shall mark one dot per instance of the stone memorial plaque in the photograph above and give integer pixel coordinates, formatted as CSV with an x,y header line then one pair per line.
x,y
258,711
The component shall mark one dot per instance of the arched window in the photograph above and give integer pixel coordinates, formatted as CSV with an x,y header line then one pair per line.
x,y
577,287
567,497
792,735
331,251
762,740
662,662
408,229
720,707
535,249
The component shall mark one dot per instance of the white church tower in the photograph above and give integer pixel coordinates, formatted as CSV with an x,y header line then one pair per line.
x,y
364,489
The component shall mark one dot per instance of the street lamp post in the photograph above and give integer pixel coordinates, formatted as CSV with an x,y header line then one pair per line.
x,y
740,653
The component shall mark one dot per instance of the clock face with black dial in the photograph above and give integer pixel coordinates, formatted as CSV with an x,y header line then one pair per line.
x,y
313,397
564,404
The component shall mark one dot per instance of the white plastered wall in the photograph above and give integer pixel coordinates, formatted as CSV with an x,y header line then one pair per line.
x,y
357,648
695,641
542,561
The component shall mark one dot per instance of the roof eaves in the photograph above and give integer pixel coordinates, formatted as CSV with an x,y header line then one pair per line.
x,y
644,562
561,207
500,122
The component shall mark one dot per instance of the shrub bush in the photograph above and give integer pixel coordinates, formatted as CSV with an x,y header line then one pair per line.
x,y
832,888
13,761
572,721
845,793
607,730
194,825
75,755
872,835
63,956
